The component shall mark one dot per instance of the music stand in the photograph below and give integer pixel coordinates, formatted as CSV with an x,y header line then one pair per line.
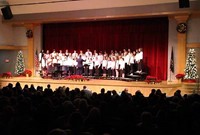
x,y
86,68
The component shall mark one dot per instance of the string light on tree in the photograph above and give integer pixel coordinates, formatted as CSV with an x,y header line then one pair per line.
x,y
20,66
191,67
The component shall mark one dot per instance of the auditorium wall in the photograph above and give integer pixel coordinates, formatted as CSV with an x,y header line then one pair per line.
x,y
37,38
37,33
19,36
193,37
6,33
11,36
172,42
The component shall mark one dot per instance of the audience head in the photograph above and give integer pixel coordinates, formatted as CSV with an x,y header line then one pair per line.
x,y
48,86
84,87
102,91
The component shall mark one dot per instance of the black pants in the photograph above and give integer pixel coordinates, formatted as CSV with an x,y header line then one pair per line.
x,y
121,71
140,65
86,68
104,70
96,71
133,68
74,70
71,70
127,69
90,72
79,71
113,72
109,72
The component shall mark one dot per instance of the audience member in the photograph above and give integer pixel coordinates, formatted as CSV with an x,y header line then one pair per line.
x,y
66,111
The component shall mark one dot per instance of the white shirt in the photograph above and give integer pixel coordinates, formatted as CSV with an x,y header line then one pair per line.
x,y
117,64
140,55
66,53
53,54
112,64
60,62
137,58
96,63
91,65
40,57
49,62
122,64
83,56
74,55
104,63
55,60
88,54
109,64
100,58
127,59
43,62
60,54
132,59
70,61
65,62
46,56
63,57
94,58
87,61
75,63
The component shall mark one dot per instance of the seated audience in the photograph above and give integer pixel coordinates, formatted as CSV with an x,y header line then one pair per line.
x,y
64,111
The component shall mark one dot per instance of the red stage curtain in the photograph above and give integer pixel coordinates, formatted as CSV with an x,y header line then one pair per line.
x,y
149,33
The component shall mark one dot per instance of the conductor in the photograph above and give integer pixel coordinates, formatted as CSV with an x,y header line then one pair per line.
x,y
79,65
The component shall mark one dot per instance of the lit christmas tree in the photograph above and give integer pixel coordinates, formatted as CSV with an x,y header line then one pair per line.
x,y
20,66
191,67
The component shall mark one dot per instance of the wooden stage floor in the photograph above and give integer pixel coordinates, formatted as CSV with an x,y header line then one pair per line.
x,y
95,85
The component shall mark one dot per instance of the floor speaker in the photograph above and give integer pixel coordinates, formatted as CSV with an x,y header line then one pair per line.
x,y
184,4
7,13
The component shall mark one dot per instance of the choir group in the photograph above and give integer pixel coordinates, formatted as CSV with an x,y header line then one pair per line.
x,y
113,64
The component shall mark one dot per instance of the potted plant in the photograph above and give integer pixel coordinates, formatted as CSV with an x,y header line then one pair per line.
x,y
180,76
27,73
76,78
7,75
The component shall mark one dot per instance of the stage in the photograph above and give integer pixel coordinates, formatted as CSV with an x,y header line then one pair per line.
x,y
95,85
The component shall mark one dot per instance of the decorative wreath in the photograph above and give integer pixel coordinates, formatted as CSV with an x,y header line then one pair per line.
x,y
29,33
181,27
